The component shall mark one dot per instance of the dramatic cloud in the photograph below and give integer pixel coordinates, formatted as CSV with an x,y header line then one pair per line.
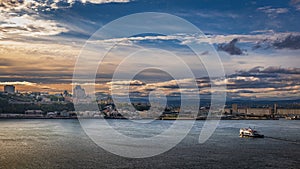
x,y
274,69
28,18
39,61
256,83
257,39
28,25
169,87
18,83
267,75
38,45
290,42
22,18
296,4
231,48
272,12
131,83
264,83
104,1
36,5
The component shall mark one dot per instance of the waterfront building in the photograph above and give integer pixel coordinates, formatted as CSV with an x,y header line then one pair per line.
x,y
79,92
34,113
9,89
262,111
234,108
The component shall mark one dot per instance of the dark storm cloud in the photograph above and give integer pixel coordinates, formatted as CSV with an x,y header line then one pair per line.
x,y
231,48
170,87
272,69
289,42
296,4
11,3
271,77
244,91
255,69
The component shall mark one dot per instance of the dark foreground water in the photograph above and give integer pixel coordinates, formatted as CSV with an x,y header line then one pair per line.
x,y
63,144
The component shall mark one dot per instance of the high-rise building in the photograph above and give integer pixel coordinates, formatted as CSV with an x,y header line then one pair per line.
x,y
79,92
9,89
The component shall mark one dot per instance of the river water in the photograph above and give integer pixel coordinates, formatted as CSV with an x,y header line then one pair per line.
x,y
63,144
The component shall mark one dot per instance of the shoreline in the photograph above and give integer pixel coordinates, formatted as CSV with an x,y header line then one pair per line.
x,y
163,119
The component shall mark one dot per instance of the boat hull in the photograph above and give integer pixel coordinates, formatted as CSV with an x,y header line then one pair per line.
x,y
249,132
254,136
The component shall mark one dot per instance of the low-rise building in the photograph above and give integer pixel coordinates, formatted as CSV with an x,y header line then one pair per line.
x,y
288,112
35,113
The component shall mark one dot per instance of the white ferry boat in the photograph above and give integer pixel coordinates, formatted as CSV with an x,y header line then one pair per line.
x,y
249,132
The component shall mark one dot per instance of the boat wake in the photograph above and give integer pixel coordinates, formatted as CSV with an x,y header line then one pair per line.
x,y
283,139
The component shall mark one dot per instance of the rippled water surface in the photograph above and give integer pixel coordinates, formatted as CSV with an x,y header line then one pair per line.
x,y
63,144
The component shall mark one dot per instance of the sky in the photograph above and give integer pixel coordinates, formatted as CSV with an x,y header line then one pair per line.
x,y
258,43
